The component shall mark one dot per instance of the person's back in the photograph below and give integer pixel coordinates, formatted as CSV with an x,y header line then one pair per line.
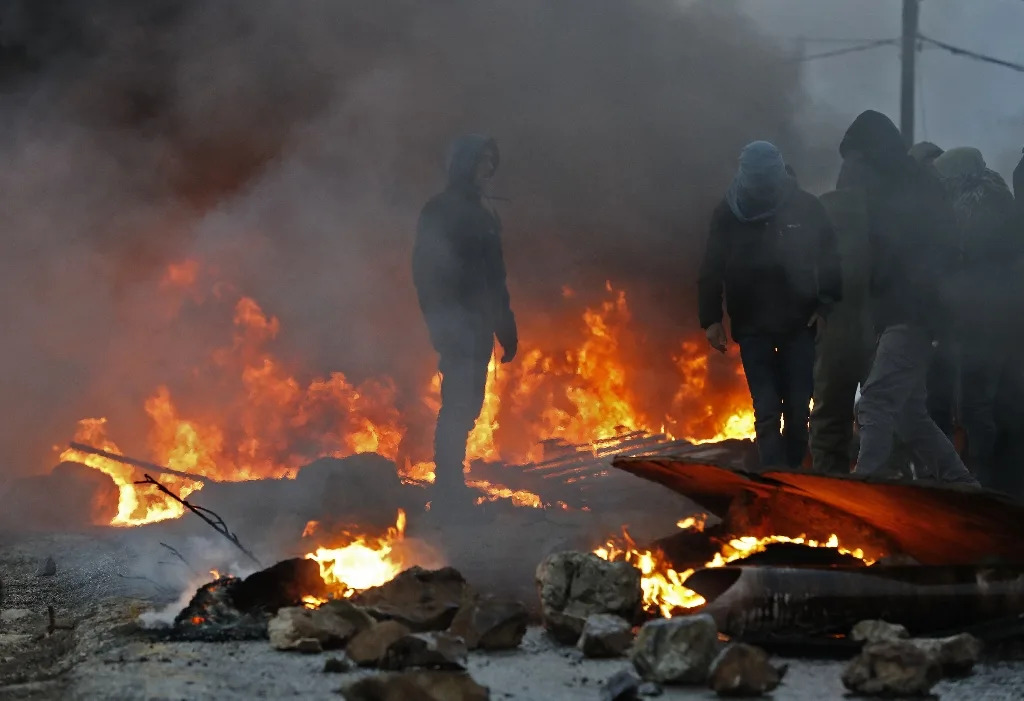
x,y
981,292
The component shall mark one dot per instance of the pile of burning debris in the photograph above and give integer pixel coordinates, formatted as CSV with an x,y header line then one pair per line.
x,y
728,575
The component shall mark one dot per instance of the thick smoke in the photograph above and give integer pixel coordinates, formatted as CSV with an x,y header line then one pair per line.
x,y
290,145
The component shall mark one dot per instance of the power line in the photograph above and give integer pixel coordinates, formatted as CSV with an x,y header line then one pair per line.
x,y
848,50
958,51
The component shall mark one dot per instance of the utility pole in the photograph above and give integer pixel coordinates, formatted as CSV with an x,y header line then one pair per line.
x,y
911,10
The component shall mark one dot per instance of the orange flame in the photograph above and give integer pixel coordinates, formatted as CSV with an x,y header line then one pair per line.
x,y
363,562
663,590
264,420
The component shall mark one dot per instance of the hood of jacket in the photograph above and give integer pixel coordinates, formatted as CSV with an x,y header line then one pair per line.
x,y
878,141
761,185
463,156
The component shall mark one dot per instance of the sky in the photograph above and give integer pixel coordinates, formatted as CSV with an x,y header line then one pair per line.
x,y
961,102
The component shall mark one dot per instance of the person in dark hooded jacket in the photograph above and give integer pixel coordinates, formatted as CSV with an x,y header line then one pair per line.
x,y
912,241
990,247
459,273
772,253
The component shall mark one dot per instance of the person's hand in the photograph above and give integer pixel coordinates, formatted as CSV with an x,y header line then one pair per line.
x,y
817,321
717,338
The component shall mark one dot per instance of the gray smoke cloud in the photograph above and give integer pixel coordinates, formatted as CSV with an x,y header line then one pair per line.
x,y
289,147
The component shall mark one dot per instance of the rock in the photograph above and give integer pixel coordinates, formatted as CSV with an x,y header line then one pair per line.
x,y
622,686
892,668
650,689
327,626
431,650
281,585
417,686
47,568
743,670
878,631
14,640
308,646
355,615
367,648
338,665
605,635
423,600
490,623
676,650
575,585
12,615
957,654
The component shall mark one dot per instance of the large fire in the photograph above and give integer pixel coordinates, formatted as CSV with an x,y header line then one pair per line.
x,y
663,589
264,418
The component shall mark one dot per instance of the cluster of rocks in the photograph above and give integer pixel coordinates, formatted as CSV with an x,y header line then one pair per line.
x,y
418,628
596,605
891,663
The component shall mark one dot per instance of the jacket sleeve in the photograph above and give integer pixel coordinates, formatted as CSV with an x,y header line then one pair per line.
x,y
711,282
506,331
830,276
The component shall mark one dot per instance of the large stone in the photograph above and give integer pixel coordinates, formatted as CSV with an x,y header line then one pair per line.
x,y
621,686
423,600
892,668
605,635
294,624
744,670
47,568
430,650
367,648
576,585
676,650
956,654
490,623
878,631
417,686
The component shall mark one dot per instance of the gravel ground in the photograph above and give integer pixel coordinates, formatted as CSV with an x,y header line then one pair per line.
x,y
101,653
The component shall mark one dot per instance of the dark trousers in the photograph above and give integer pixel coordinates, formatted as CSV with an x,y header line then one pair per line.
x,y
780,375
942,384
463,381
843,360
980,372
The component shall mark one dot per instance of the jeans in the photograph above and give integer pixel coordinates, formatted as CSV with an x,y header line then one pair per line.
x,y
895,398
463,382
981,370
780,375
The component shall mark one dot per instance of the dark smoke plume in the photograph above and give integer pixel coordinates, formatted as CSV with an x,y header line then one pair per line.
x,y
290,145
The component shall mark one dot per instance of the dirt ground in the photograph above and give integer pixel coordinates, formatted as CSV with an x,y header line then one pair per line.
x,y
107,577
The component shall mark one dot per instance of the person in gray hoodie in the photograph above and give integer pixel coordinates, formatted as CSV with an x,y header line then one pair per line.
x,y
459,273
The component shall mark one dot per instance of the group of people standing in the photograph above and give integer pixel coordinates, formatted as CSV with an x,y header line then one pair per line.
x,y
901,282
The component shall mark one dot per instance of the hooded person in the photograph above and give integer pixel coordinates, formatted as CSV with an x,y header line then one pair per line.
x,y
844,350
459,273
913,250
925,152
990,248
771,253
